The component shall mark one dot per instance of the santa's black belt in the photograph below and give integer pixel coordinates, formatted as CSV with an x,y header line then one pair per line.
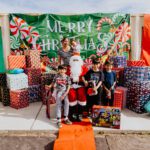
x,y
79,83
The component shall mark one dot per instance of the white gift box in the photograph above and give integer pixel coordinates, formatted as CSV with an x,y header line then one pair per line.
x,y
17,81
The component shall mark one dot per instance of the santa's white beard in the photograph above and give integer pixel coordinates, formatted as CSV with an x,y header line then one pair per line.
x,y
76,68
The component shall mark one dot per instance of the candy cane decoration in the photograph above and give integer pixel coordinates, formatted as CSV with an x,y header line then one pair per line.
x,y
19,28
100,22
38,47
127,45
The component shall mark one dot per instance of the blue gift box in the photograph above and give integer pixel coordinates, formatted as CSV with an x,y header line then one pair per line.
x,y
119,61
136,73
34,93
138,95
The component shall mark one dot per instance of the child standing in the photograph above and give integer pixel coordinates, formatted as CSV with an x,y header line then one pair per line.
x,y
61,83
93,80
109,84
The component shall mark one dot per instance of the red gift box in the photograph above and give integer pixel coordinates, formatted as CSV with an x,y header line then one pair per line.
x,y
136,63
118,99
46,79
34,76
33,58
16,61
124,91
19,98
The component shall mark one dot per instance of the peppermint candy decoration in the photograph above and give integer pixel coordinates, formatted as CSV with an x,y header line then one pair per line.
x,y
100,22
33,35
123,33
116,16
19,28
88,61
14,42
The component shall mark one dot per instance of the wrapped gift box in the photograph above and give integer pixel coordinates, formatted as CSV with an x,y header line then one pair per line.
x,y
136,73
17,81
5,95
104,116
124,91
118,99
46,79
19,98
120,75
34,76
136,63
119,61
138,95
34,93
33,58
16,61
3,81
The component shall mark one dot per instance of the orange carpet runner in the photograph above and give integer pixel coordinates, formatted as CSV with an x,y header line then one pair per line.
x,y
79,136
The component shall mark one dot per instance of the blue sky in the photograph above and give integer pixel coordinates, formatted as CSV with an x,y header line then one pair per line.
x,y
74,6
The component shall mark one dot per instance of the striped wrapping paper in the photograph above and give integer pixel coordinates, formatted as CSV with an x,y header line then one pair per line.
x,y
34,76
136,73
34,93
124,91
3,81
17,81
33,58
138,95
16,61
46,79
118,99
5,95
140,63
119,61
19,98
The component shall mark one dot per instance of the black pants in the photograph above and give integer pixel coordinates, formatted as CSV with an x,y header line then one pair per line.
x,y
106,101
94,100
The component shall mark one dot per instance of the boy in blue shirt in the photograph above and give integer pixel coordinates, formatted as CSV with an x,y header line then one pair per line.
x,y
109,84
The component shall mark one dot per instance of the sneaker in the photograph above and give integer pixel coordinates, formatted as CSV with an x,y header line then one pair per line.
x,y
59,124
68,122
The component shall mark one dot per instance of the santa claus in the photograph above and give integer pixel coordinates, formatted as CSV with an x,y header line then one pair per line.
x,y
77,93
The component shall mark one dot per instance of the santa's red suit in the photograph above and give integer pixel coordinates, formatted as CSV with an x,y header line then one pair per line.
x,y
77,93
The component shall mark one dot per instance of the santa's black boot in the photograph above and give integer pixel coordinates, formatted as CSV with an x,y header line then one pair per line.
x,y
79,114
72,112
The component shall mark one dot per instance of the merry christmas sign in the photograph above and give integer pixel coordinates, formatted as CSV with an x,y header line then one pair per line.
x,y
97,33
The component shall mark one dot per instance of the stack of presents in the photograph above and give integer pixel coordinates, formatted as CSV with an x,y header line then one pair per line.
x,y
19,88
132,92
